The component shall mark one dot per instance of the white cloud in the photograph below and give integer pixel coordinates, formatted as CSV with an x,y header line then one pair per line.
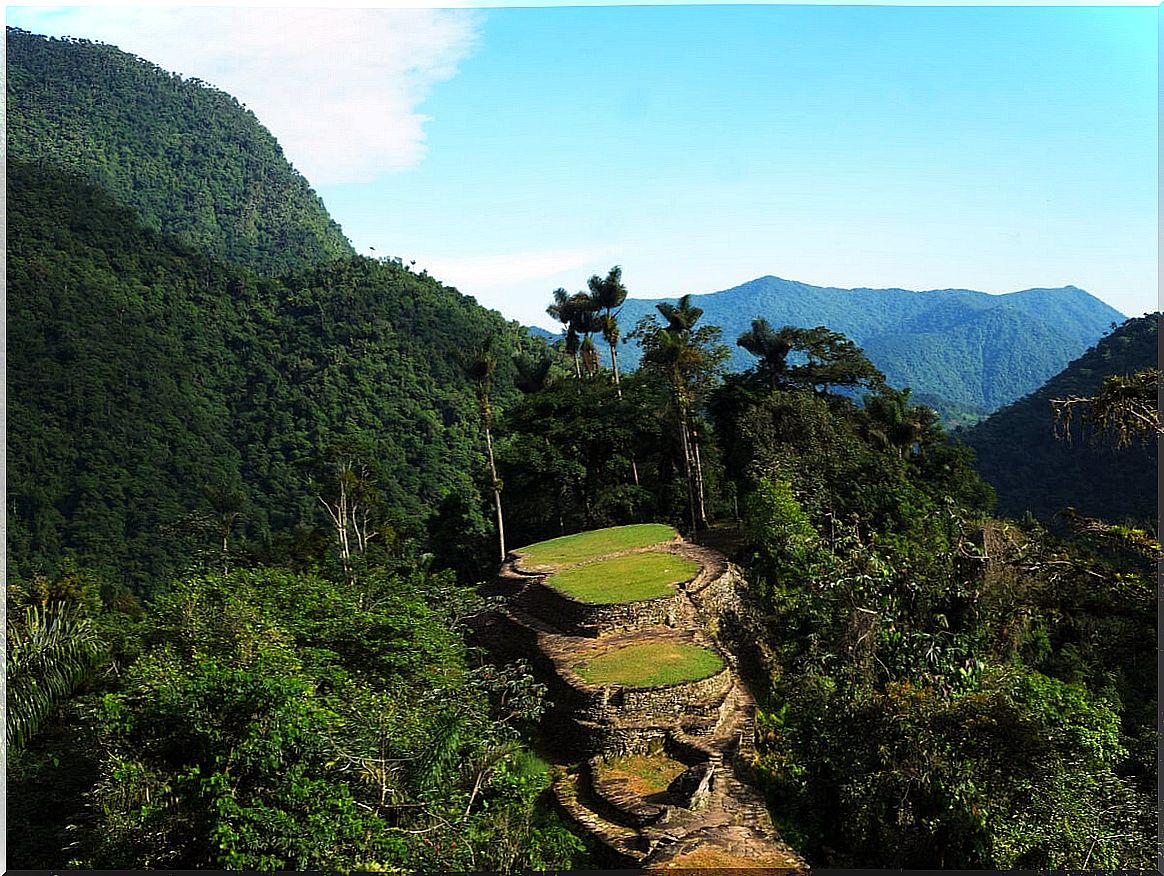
x,y
519,284
339,88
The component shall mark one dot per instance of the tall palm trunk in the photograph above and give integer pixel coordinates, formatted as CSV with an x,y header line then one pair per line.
x,y
698,475
687,463
496,489
618,391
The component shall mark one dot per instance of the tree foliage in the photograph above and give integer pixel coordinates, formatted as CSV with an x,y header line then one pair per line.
x,y
188,158
938,690
145,375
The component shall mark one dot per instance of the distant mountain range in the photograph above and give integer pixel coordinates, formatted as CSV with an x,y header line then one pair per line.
x,y
1033,470
961,351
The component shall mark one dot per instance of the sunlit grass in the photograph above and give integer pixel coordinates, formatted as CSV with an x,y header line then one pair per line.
x,y
651,664
627,578
645,774
569,549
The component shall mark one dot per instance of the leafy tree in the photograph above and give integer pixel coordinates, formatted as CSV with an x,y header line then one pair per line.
x,y
351,498
1125,408
567,455
829,358
282,720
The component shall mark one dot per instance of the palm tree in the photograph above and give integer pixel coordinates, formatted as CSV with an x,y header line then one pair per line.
x,y
580,317
681,317
586,322
893,422
771,347
687,356
608,294
532,374
52,649
562,311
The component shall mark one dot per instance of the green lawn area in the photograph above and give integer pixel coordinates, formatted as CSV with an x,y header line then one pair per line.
x,y
570,549
645,774
651,664
628,578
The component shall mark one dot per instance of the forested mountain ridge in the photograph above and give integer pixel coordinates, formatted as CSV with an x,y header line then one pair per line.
x,y
188,158
143,373
1034,470
958,348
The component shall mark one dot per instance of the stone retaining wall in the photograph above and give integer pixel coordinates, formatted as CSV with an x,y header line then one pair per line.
x,y
705,724
665,702
575,617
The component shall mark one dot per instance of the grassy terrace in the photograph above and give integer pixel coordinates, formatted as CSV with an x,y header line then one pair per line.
x,y
570,549
652,664
627,578
645,774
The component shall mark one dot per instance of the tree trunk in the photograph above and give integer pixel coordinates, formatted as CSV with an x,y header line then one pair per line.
x,y
496,490
617,381
687,464
698,476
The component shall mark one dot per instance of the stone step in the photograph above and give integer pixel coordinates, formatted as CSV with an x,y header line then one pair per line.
x,y
626,845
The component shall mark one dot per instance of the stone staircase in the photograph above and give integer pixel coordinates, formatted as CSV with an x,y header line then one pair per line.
x,y
709,816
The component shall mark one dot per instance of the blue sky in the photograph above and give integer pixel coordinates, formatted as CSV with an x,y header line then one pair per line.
x,y
513,150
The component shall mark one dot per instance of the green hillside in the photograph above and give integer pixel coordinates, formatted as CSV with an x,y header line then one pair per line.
x,y
143,374
188,158
963,351
1034,471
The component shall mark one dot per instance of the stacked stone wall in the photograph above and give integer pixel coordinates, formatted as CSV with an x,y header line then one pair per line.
x,y
574,617
666,702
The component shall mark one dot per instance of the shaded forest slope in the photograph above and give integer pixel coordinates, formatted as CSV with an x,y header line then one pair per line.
x,y
1033,470
146,377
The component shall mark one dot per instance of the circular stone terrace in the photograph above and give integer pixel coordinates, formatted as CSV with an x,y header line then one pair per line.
x,y
622,623
660,663
622,577
570,550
